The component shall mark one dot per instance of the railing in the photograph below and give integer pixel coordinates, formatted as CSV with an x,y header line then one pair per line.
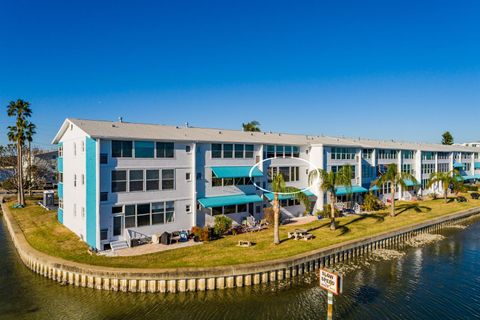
x,y
135,235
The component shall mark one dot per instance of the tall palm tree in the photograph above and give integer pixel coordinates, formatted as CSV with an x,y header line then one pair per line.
x,y
22,112
252,126
329,182
279,187
395,178
29,133
446,179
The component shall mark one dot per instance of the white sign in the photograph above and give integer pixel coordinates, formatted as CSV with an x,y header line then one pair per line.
x,y
330,281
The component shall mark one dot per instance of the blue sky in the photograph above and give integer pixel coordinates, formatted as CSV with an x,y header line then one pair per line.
x,y
406,70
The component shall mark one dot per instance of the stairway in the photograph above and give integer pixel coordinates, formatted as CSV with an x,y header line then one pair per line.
x,y
117,245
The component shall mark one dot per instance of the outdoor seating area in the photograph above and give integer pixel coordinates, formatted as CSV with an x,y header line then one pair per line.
x,y
300,234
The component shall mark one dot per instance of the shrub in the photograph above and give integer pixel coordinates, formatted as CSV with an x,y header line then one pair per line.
x,y
327,210
461,199
197,233
222,224
371,203
469,187
205,234
475,195
269,216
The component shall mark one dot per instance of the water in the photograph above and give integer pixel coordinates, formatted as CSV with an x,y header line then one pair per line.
x,y
438,281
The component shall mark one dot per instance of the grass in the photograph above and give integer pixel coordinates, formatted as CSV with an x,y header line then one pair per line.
x,y
45,234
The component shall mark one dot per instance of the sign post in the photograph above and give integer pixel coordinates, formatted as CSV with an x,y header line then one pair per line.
x,y
331,282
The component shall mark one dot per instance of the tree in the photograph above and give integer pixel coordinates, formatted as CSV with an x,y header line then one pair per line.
x,y
252,126
30,131
279,187
447,138
447,180
329,181
18,135
395,178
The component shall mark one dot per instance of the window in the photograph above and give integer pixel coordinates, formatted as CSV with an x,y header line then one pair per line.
x,y
233,209
367,153
153,180
288,151
144,149
103,196
130,216
158,213
428,155
119,181
428,168
443,167
337,169
443,155
296,151
83,212
288,173
249,151
407,154
228,151
60,203
188,176
103,234
407,168
188,149
239,150
216,150
343,153
60,177
387,154
74,149
188,208
270,151
279,151
136,180
199,175
117,209
103,158
83,146
60,150
122,149
169,211
168,179
83,179
74,180
143,214
165,150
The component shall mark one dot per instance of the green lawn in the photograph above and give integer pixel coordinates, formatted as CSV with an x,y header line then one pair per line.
x,y
45,234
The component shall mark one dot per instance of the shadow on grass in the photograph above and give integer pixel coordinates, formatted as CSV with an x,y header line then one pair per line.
x,y
412,206
345,229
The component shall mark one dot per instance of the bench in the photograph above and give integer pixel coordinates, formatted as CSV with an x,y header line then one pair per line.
x,y
244,243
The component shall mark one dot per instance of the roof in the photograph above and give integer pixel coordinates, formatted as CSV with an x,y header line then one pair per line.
x,y
128,130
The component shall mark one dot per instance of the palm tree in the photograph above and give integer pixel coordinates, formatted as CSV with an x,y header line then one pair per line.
x,y
21,111
395,178
252,126
279,187
329,182
446,179
29,133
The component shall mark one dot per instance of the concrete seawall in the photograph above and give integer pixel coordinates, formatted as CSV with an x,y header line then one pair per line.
x,y
201,279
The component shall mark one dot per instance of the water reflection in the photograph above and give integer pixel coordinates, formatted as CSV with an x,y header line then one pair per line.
x,y
441,280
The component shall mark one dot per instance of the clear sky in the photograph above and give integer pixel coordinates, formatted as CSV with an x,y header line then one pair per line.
x,y
405,70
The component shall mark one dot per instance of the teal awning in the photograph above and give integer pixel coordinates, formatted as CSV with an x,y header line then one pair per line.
x,y
468,177
458,165
477,165
229,200
476,176
269,195
371,188
374,188
340,191
410,183
236,172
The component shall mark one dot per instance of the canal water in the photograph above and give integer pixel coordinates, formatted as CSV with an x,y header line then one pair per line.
x,y
436,281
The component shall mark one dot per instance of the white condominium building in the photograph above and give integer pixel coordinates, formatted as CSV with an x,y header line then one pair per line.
x,y
119,180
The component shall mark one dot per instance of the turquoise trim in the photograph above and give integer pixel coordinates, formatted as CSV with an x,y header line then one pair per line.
x,y
91,190
60,190
229,200
340,191
236,172
269,195
458,165
410,183
60,164
60,215
477,165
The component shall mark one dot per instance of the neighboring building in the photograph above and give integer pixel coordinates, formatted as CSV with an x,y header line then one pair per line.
x,y
46,161
120,180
